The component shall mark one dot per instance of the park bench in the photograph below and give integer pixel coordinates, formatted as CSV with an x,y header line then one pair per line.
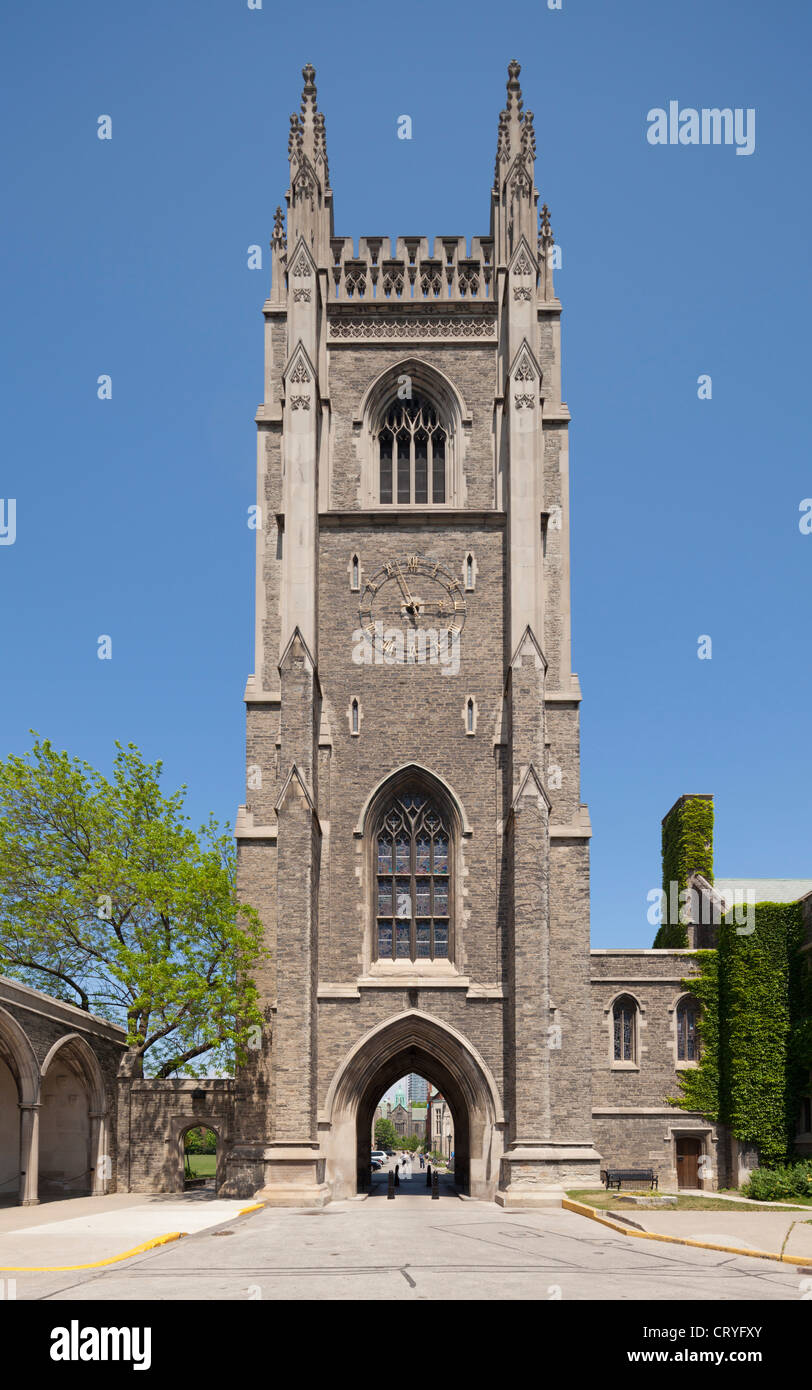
x,y
613,1177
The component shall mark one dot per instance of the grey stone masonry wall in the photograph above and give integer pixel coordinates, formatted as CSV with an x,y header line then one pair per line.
x,y
633,1123
153,1119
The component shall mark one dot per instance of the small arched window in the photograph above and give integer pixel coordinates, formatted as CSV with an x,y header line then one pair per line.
x,y
687,1030
411,448
624,1029
354,717
469,717
412,880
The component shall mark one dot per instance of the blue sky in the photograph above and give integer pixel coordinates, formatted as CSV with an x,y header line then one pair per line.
x,y
128,257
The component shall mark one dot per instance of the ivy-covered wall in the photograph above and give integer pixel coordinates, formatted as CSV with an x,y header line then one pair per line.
x,y
687,847
756,1030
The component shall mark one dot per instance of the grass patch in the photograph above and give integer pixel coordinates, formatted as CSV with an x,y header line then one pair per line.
x,y
608,1201
201,1165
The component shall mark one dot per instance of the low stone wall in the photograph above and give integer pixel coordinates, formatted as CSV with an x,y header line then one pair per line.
x,y
153,1119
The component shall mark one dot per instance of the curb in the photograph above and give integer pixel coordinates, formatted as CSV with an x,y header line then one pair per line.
x,y
581,1209
114,1259
95,1264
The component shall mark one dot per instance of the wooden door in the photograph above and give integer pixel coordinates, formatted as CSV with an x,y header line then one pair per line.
x,y
688,1151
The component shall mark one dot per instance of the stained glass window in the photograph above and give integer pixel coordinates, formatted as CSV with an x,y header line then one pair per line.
x,y
413,880
624,1018
687,1030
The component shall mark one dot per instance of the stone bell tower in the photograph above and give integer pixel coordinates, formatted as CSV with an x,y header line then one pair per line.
x,y
413,836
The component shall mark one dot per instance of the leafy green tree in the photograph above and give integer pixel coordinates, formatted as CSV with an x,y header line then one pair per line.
x,y
110,901
200,1141
386,1136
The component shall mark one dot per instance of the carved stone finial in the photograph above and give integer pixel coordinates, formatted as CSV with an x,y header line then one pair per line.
x,y
321,146
502,147
295,136
514,91
546,230
528,135
279,225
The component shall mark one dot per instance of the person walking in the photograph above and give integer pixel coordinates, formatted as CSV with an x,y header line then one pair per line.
x,y
422,1161
397,1175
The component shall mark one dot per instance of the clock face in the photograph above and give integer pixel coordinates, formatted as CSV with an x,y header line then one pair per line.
x,y
411,594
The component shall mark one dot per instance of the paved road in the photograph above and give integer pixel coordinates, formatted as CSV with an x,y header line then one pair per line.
x,y
415,1249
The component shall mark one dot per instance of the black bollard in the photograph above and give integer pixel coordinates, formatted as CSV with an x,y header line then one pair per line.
x,y
390,1187
428,1175
435,1186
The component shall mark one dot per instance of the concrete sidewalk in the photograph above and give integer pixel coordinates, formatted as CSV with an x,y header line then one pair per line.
x,y
85,1230
770,1231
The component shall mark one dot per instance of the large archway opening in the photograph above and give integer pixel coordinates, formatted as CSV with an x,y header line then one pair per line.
x,y
9,1133
415,1061
417,1043
73,1150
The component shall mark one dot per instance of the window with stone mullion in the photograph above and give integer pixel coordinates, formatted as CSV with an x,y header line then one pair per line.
x,y
412,883
412,456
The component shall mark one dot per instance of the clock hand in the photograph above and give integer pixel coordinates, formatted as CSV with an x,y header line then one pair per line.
x,y
404,590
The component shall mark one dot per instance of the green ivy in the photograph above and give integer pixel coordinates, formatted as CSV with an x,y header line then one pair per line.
x,y
756,1030
700,1085
687,847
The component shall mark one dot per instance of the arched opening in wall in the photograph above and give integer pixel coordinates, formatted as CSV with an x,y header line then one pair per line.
x,y
445,1138
19,1092
419,1045
66,1168
200,1153
412,1135
9,1132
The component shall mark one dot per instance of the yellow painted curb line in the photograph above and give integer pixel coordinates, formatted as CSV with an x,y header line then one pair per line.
x,y
245,1210
581,1209
96,1264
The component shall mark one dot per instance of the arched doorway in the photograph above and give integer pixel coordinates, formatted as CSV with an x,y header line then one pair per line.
x,y
73,1158
414,1042
202,1152
19,1122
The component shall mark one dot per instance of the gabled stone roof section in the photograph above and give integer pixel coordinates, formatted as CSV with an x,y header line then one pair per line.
x,y
531,785
528,646
295,779
524,355
297,649
523,256
299,362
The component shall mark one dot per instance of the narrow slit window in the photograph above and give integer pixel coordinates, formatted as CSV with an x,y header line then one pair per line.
x,y
469,572
469,724
356,573
355,716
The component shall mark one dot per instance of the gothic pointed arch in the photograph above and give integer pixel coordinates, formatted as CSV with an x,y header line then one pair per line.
x,y
411,430
17,1052
413,868
76,1051
415,1041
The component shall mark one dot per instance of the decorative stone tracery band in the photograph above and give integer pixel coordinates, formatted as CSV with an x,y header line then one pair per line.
x,y
398,328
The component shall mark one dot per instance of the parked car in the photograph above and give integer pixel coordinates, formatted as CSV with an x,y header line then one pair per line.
x,y
375,1164
379,1154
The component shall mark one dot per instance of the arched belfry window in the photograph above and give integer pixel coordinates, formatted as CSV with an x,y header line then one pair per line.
x,y
411,446
688,1030
413,868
